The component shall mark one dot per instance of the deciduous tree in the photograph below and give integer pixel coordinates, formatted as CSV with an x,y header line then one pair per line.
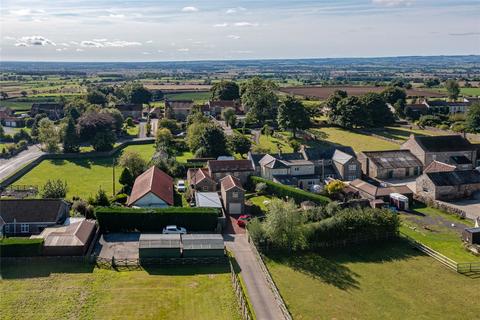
x,y
292,115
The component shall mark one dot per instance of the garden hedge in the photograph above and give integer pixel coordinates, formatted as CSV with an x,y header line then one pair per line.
x,y
283,191
120,219
20,247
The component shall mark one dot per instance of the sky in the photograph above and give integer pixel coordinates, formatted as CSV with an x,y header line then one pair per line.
x,y
168,30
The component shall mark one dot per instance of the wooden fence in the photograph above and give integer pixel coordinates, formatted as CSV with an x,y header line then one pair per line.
x,y
137,263
462,267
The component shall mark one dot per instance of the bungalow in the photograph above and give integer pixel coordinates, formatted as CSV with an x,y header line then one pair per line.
x,y
24,217
449,185
198,179
390,164
153,188
130,110
54,111
233,195
240,169
451,149
178,109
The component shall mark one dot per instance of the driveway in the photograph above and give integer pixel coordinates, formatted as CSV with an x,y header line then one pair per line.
x,y
471,207
9,166
259,292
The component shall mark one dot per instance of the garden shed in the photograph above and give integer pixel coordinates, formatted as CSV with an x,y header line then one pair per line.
x,y
471,235
203,245
159,246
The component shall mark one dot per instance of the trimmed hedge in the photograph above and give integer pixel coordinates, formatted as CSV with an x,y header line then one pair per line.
x,y
120,219
20,247
284,191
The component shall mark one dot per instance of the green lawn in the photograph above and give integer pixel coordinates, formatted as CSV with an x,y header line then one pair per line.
x,y
439,236
270,143
52,290
184,156
198,97
359,142
376,281
83,176
260,201
133,131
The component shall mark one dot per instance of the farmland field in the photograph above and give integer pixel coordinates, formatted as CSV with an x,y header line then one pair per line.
x,y
198,97
325,92
83,176
71,290
380,281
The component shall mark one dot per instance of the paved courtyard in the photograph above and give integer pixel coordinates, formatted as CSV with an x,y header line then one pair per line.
x,y
471,207
118,245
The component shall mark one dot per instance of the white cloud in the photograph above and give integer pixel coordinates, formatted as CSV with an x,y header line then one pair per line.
x,y
189,9
233,36
91,44
8,38
64,44
149,41
160,51
183,50
100,40
122,44
245,24
26,12
393,3
146,53
103,43
79,50
61,49
29,41
75,43
113,16
235,10
221,25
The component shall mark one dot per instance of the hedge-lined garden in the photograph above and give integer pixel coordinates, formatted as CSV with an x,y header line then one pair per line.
x,y
20,247
119,219
283,191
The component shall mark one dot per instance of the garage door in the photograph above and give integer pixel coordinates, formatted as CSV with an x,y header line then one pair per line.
x,y
235,208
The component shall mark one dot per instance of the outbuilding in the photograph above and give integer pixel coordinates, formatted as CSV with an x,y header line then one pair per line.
x,y
203,245
471,235
159,246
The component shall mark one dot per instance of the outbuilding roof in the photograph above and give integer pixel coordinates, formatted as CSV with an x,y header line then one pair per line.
x,y
444,143
76,233
150,241
341,157
454,178
229,165
202,241
153,180
437,166
392,159
31,210
207,200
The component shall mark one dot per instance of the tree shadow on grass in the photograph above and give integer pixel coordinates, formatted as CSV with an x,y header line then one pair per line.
x,y
330,265
41,267
186,270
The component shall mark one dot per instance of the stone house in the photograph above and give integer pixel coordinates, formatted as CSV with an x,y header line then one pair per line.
x,y
448,106
198,179
152,189
240,169
451,149
448,185
390,164
346,165
25,217
233,195
178,109
216,107
130,110
54,111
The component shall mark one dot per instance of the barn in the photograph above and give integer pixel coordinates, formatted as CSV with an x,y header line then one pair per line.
x,y
159,246
203,245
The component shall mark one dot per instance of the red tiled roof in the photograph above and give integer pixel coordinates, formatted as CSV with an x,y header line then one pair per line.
x,y
230,182
195,176
153,180
229,165
437,166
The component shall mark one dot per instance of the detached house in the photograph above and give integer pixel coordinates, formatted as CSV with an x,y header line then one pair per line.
x,y
178,109
198,179
453,149
153,188
391,164
448,185
54,111
216,107
448,106
240,169
31,216
233,195
130,110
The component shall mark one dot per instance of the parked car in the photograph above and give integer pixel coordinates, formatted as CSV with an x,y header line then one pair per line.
x,y
174,230
243,220
181,134
181,186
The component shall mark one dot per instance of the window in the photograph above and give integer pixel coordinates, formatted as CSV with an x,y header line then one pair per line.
x,y
7,228
310,183
352,167
235,194
24,228
296,169
205,188
351,178
236,174
425,189
434,156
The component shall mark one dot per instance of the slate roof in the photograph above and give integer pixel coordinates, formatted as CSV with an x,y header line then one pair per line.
x,y
392,159
437,166
31,210
341,157
325,152
202,241
229,165
454,178
444,143
153,180
129,107
77,233
461,160
293,180
230,182
167,241
379,191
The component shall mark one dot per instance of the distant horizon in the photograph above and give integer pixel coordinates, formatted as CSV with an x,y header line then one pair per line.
x,y
246,59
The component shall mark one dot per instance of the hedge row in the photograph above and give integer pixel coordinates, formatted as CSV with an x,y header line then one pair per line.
x,y
20,247
284,191
120,219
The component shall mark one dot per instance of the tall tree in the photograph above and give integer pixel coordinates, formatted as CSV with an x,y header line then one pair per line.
x,y
137,93
472,119
377,112
103,141
239,143
259,98
453,89
94,96
225,90
348,113
229,117
393,94
292,115
54,189
70,138
133,161
48,135
212,141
